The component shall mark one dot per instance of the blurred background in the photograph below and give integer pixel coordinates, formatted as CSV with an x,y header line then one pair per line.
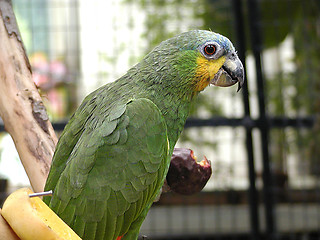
x,y
263,142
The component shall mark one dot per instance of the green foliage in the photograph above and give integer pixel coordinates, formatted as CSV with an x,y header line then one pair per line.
x,y
276,17
307,47
295,93
167,18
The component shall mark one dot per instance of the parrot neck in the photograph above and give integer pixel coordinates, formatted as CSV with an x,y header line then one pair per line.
x,y
173,102
175,111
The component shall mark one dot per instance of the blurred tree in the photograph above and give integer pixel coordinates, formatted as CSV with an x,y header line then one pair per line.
x,y
295,93
306,33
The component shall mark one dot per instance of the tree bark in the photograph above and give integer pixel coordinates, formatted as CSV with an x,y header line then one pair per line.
x,y
6,231
21,107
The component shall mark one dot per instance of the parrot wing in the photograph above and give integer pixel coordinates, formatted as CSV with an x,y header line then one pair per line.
x,y
114,171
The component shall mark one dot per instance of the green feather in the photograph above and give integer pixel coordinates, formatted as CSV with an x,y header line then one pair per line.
x,y
126,177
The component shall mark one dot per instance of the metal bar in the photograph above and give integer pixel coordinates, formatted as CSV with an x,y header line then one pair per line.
x,y
256,42
274,122
252,191
298,122
41,194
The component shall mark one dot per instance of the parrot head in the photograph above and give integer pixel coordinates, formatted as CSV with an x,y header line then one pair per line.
x,y
218,63
196,59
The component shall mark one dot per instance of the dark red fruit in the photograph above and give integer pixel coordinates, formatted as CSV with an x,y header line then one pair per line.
x,y
186,176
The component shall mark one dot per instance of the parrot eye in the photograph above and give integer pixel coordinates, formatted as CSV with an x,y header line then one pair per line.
x,y
211,50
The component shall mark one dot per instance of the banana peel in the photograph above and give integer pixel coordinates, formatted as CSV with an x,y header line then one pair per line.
x,y
31,218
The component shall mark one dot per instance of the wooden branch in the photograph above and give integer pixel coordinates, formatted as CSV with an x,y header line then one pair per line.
x,y
6,231
21,107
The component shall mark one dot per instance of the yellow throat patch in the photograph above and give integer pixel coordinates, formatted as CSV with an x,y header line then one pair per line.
x,y
206,69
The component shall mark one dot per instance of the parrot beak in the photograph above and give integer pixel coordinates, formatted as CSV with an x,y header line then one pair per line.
x,y
230,73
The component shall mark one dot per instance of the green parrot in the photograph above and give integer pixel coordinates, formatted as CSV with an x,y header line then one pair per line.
x,y
113,155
